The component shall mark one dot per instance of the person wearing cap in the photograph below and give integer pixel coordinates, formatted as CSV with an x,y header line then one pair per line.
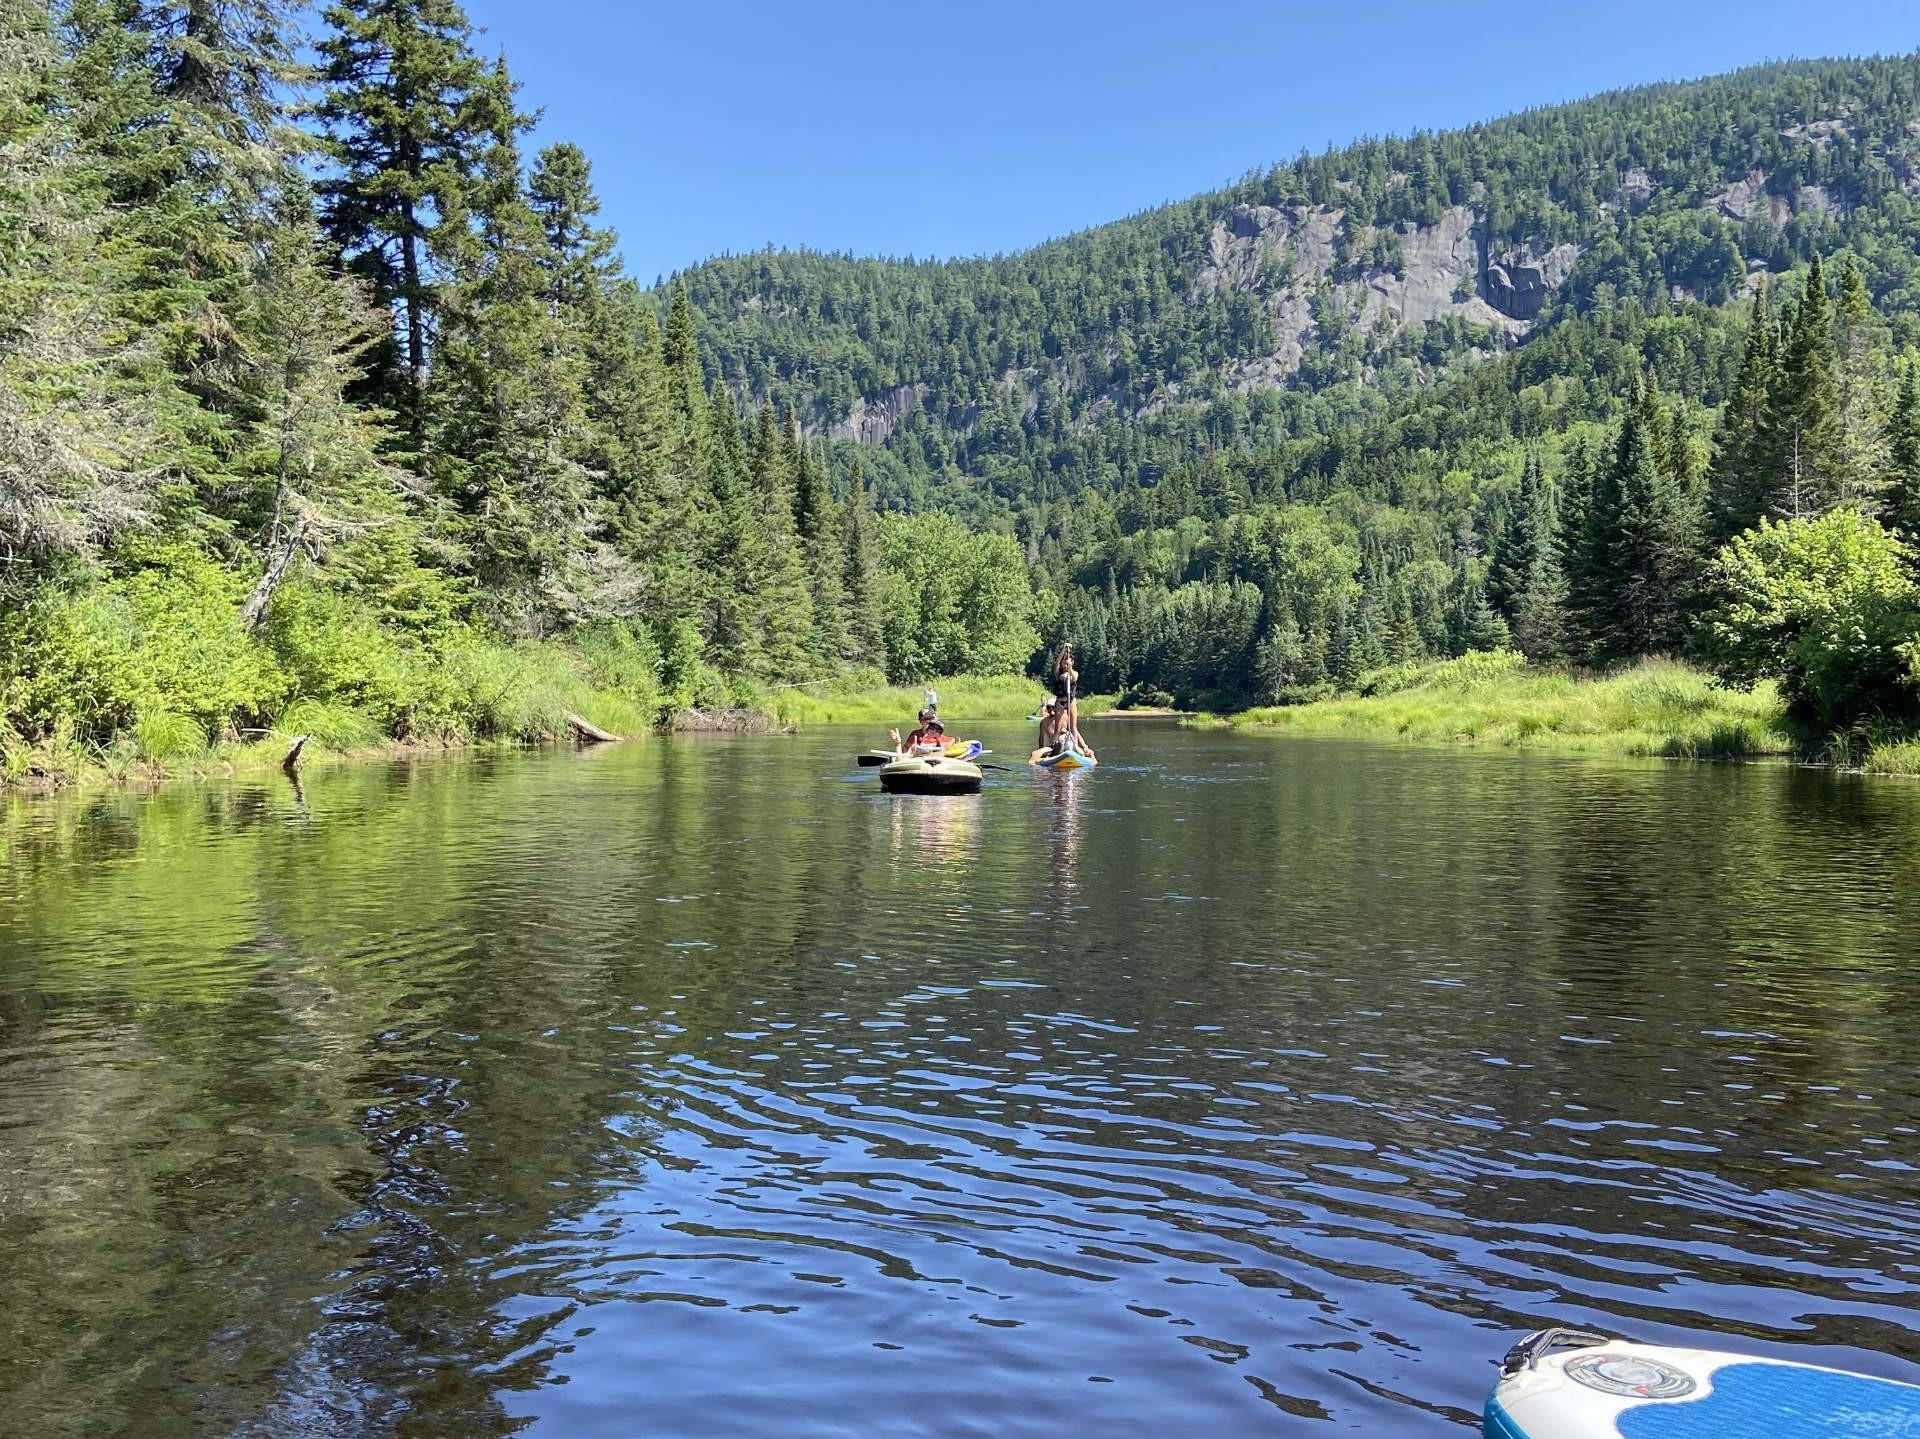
x,y
931,735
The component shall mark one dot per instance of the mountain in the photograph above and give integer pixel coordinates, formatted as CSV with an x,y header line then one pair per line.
x,y
1249,314
326,409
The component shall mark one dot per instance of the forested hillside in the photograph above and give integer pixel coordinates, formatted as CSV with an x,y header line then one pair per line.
x,y
1363,407
325,406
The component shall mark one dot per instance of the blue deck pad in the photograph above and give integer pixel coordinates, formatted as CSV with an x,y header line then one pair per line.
x,y
1773,1401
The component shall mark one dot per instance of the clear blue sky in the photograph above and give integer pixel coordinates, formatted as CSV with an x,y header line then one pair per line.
x,y
948,127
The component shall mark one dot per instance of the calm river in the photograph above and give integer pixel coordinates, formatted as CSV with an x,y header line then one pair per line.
x,y
1244,1086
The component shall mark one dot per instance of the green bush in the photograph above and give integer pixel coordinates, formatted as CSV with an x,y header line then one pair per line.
x,y
339,653
164,639
1825,606
332,725
162,737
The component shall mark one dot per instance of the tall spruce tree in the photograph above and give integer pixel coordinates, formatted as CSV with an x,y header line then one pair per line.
x,y
861,578
817,525
1862,445
325,485
407,110
1802,437
1536,616
73,445
1739,479
786,596
1903,454
508,422
581,255
1628,590
738,624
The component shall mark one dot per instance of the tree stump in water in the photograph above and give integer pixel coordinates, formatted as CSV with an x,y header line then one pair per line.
x,y
291,764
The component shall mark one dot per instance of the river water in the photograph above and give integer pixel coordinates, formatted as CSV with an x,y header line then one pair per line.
x,y
1245,1085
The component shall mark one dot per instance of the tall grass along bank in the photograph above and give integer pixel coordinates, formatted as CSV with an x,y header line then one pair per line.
x,y
1658,707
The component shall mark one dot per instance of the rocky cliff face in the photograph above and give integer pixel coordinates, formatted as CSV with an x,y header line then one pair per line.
x,y
1289,255
874,418
1320,276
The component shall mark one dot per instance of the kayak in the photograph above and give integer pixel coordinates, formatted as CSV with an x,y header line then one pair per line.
x,y
1065,760
1567,1384
929,774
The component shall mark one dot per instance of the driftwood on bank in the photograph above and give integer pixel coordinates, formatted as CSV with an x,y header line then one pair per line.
x,y
588,731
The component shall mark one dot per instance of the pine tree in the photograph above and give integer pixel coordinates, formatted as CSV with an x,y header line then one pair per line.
x,y
1903,454
1739,481
318,455
819,531
580,255
1862,457
787,599
74,445
861,579
509,429
407,110
1802,435
1536,617
738,623
1628,587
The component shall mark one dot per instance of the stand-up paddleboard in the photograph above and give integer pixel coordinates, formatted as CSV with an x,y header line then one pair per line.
x,y
1065,760
1568,1384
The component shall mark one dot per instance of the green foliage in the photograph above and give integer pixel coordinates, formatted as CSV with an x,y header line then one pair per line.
x,y
332,725
162,639
404,448
1656,708
162,737
866,699
955,603
1827,607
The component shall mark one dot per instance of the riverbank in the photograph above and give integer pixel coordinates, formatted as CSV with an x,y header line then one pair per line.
x,y
964,700
1659,707
539,702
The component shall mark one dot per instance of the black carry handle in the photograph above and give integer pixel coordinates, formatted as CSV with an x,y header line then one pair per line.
x,y
1538,1345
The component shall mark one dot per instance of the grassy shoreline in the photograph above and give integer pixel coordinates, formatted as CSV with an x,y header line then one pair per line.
x,y
1658,708
338,736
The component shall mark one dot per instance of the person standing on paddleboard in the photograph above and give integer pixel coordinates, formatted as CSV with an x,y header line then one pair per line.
x,y
1066,685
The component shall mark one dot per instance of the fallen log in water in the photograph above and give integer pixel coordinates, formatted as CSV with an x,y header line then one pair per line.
x,y
586,730
291,764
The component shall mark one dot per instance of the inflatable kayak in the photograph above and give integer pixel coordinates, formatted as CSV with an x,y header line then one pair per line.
x,y
929,774
960,749
1568,1384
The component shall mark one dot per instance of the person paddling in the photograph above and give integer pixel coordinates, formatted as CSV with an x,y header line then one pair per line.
x,y
1066,702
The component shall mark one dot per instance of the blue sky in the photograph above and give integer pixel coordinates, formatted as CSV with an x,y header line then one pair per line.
x,y
944,127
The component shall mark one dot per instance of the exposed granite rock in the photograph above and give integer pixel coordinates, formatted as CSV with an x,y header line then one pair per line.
x,y
874,418
1519,281
1636,190
1744,199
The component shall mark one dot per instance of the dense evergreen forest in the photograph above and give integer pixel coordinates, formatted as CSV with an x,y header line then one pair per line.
x,y
326,407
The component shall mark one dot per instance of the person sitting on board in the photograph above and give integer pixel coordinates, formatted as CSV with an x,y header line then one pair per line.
x,y
1050,718
932,735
